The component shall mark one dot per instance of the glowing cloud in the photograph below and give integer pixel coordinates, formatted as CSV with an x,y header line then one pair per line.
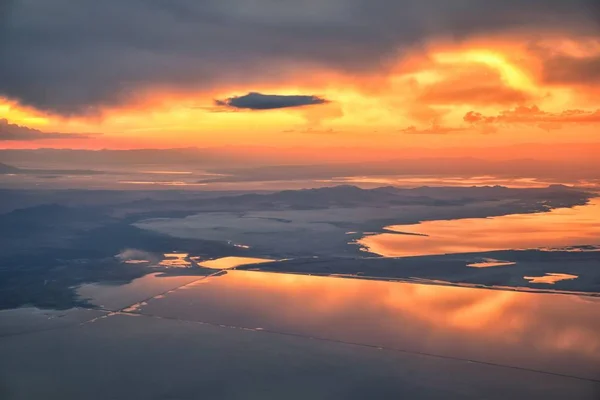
x,y
16,132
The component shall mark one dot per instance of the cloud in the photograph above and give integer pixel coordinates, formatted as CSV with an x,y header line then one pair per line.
x,y
259,101
135,255
569,62
56,57
314,131
423,113
572,70
11,132
534,116
432,130
471,85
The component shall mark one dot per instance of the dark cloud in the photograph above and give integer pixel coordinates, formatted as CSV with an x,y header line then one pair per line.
x,y
560,67
259,101
76,56
10,131
572,70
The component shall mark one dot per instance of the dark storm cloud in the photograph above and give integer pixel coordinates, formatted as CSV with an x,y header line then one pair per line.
x,y
572,70
259,101
559,67
75,56
10,131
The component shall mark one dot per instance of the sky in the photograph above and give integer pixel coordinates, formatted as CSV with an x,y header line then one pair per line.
x,y
376,74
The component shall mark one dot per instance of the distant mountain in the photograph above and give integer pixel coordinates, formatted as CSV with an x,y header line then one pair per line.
x,y
337,196
7,169
352,196
346,196
43,211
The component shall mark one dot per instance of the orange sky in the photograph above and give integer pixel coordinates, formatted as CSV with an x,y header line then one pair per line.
x,y
482,92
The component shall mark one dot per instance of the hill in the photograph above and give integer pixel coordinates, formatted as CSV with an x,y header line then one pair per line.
x,y
7,169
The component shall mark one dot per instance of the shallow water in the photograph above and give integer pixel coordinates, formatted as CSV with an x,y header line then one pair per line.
x,y
231,262
177,260
114,296
121,357
280,333
458,181
557,333
550,278
558,228
490,262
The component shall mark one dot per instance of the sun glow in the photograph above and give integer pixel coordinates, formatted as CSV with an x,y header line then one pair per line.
x,y
511,74
21,115
429,91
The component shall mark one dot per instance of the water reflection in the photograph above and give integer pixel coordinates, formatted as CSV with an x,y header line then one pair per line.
x,y
556,333
490,262
457,181
136,261
230,262
558,228
550,278
115,296
178,260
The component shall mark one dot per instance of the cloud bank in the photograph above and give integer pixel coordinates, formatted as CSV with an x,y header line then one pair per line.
x,y
9,132
75,57
532,116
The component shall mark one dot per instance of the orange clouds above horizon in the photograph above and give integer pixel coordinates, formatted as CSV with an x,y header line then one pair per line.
x,y
516,88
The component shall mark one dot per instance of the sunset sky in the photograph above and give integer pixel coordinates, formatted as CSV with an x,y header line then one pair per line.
x,y
334,73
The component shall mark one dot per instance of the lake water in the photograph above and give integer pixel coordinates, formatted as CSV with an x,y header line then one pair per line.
x,y
549,332
231,262
270,335
556,229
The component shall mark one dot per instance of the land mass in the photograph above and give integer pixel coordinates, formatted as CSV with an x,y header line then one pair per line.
x,y
62,239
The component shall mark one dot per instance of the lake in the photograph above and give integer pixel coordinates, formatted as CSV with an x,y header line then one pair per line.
x,y
557,229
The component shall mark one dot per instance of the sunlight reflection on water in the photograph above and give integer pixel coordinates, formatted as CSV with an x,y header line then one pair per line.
x,y
550,278
558,228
